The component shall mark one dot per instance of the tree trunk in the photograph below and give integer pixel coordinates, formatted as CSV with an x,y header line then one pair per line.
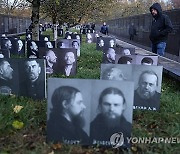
x,y
35,19
55,28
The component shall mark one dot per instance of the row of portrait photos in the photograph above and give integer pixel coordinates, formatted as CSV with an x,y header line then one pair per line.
x,y
25,72
17,47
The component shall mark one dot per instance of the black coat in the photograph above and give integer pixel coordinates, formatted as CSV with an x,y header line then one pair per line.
x,y
59,129
34,90
153,102
99,130
161,26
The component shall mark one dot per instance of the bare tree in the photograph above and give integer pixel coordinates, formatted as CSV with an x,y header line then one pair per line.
x,y
10,5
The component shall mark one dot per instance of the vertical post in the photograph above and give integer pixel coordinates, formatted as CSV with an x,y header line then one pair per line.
x,y
35,19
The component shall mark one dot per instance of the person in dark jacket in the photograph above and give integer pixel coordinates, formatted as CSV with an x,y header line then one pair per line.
x,y
104,29
66,121
160,28
111,118
132,31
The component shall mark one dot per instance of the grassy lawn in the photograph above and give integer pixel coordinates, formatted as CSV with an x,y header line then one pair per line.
x,y
25,132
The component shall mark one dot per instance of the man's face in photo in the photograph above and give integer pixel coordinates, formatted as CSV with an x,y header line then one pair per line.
x,y
33,69
62,45
6,71
101,43
112,106
8,44
147,85
126,52
51,57
76,106
89,36
115,74
69,37
20,45
69,58
34,46
75,45
78,37
111,43
46,39
111,54
49,45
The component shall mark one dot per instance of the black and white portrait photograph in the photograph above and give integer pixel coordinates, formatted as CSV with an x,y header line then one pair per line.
x,y
45,44
100,43
77,36
76,44
9,76
127,51
116,72
68,111
63,43
109,55
111,111
60,32
147,81
89,37
122,59
32,78
146,60
50,56
18,47
6,44
28,35
44,37
109,42
32,49
6,47
68,63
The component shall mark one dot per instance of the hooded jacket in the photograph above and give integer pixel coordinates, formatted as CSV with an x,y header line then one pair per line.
x,y
161,25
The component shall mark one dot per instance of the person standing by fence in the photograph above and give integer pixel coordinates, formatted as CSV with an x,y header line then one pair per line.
x,y
160,28
104,29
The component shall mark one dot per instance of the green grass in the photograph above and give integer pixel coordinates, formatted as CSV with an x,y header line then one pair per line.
x,y
31,138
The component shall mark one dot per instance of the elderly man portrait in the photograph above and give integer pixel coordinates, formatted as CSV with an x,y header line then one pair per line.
x,y
110,118
32,50
69,66
110,56
33,80
113,73
66,120
146,95
6,76
6,47
50,61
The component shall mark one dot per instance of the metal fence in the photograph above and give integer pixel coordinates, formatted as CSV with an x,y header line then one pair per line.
x,y
120,27
13,24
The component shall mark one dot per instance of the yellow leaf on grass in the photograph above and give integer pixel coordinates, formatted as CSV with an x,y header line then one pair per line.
x,y
17,124
17,108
